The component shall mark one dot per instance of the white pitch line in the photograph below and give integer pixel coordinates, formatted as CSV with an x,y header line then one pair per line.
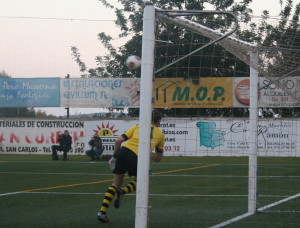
x,y
157,195
10,193
278,202
86,174
158,175
61,162
67,193
161,163
252,213
232,220
160,195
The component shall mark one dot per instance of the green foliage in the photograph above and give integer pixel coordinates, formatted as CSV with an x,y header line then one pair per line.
x,y
129,21
76,56
223,64
284,35
17,112
3,74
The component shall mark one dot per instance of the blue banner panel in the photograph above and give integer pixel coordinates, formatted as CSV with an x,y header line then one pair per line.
x,y
29,92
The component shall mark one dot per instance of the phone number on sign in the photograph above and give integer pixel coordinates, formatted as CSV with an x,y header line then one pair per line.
x,y
172,148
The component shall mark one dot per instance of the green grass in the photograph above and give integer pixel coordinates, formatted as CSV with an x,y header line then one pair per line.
x,y
184,192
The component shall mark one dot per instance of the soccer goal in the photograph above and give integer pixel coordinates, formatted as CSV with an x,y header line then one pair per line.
x,y
220,91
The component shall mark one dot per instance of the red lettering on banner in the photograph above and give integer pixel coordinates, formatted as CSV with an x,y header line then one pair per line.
x,y
75,137
1,138
41,140
28,140
14,137
52,138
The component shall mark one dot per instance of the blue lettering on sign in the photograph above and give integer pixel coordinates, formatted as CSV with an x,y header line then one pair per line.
x,y
81,95
92,84
29,92
120,101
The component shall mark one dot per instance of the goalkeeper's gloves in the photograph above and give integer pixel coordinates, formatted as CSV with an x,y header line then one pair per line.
x,y
112,163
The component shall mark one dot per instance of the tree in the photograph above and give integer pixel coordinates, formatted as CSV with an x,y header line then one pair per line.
x,y
285,37
3,74
129,20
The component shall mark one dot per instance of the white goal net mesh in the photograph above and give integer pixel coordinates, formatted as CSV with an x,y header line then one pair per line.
x,y
203,75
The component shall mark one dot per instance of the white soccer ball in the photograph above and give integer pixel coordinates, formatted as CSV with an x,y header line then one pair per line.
x,y
133,62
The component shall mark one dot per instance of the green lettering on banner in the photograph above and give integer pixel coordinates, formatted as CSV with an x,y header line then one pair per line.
x,y
179,96
219,91
201,93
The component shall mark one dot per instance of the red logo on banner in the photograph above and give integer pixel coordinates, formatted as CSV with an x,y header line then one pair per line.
x,y
242,91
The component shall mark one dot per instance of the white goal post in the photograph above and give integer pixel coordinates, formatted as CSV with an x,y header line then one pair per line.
x,y
141,215
147,71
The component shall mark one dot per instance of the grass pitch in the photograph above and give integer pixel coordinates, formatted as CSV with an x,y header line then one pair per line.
x,y
184,192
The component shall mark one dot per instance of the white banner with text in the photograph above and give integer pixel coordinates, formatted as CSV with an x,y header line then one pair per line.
x,y
184,137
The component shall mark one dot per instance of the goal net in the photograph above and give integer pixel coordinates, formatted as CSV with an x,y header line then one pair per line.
x,y
232,124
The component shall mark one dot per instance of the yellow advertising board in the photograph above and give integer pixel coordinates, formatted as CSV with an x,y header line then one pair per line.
x,y
193,93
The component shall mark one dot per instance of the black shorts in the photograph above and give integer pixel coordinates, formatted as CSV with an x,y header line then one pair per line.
x,y
126,162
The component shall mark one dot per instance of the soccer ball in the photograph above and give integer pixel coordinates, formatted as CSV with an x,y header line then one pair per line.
x,y
133,62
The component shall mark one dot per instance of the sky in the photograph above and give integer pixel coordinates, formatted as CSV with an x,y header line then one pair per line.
x,y
36,36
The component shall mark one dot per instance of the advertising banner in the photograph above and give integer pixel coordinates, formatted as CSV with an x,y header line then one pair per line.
x,y
108,130
230,138
222,92
178,134
37,136
100,92
193,93
271,95
183,137
241,92
29,92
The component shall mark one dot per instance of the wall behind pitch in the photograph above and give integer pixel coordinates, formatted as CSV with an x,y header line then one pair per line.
x,y
184,136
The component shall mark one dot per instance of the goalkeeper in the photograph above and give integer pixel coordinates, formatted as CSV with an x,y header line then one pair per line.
x,y
125,159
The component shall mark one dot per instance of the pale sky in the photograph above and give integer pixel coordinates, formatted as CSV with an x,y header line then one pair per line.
x,y
37,35
35,47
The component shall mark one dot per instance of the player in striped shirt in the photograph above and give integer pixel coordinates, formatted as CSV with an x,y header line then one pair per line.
x,y
125,159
